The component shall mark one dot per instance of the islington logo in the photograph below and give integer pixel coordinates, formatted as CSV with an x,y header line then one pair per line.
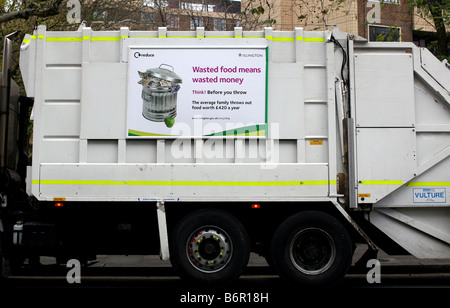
x,y
251,55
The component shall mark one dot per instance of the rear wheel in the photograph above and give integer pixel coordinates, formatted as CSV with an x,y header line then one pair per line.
x,y
3,269
210,247
311,248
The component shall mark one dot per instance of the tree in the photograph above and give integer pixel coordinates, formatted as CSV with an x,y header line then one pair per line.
x,y
316,12
23,16
12,10
256,14
439,12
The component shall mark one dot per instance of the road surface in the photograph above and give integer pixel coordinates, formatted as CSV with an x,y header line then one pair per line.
x,y
147,278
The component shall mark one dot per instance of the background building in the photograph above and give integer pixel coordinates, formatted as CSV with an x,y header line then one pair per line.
x,y
376,20
373,19
216,15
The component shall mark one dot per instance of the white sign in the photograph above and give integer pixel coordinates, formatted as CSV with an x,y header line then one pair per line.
x,y
429,195
196,92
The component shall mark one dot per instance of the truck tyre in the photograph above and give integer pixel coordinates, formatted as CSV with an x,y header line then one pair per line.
x,y
311,248
209,247
3,275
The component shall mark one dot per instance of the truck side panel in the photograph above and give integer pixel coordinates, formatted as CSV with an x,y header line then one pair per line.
x,y
82,150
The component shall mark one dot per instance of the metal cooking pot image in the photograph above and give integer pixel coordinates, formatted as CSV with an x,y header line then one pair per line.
x,y
159,93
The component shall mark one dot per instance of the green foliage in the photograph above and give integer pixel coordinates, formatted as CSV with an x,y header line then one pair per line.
x,y
438,12
258,10
433,46
430,9
24,17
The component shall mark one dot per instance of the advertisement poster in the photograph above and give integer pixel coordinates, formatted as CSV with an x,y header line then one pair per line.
x,y
196,92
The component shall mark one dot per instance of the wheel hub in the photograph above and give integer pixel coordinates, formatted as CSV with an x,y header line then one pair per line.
x,y
209,249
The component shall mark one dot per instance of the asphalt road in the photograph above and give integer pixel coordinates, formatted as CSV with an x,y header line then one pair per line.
x,y
119,278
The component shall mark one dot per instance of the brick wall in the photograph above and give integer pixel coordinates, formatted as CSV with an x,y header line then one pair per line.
x,y
392,15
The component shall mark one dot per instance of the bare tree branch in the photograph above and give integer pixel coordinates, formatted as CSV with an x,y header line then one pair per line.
x,y
35,8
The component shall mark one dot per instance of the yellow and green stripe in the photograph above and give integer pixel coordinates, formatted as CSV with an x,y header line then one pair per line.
x,y
118,38
184,183
399,183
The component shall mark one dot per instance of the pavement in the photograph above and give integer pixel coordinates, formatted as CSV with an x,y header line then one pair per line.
x,y
396,263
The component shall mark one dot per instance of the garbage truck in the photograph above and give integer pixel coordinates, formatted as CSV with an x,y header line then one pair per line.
x,y
206,146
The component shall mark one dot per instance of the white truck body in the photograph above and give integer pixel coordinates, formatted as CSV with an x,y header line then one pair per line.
x,y
85,147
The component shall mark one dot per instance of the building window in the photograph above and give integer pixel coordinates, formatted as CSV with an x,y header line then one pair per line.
x,y
197,6
155,3
172,21
220,24
196,21
147,18
384,34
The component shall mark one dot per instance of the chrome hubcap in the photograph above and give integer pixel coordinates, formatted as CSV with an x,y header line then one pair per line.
x,y
209,249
